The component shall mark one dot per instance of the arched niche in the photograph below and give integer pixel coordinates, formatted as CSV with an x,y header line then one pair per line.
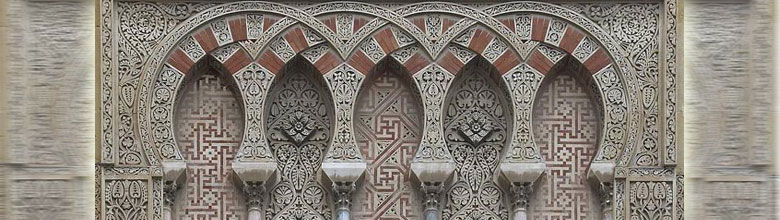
x,y
209,125
298,122
388,124
567,118
477,124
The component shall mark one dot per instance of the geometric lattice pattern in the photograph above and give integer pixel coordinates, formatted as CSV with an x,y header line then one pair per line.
x,y
566,129
388,129
209,125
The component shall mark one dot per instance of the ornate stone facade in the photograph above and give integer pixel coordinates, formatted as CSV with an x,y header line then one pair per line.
x,y
298,70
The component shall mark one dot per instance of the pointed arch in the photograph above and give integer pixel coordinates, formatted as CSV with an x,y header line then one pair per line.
x,y
477,129
298,120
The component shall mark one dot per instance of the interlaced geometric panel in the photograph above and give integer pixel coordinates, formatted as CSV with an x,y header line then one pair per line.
x,y
475,123
209,127
566,129
298,123
388,126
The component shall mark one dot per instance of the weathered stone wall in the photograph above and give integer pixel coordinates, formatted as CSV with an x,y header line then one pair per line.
x,y
48,109
730,104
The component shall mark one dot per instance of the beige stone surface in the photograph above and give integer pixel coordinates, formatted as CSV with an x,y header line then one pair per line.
x,y
729,94
47,95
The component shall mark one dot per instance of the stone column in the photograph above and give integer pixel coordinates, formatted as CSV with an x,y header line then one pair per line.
x,y
432,193
343,196
432,174
521,175
600,176
254,192
520,194
254,175
169,196
606,200
343,175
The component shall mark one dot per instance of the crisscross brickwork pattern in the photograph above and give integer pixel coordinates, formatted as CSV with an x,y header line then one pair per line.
x,y
388,127
209,129
566,129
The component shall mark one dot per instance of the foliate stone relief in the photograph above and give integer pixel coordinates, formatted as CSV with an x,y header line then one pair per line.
x,y
254,82
126,199
163,115
344,82
433,82
476,131
615,114
651,200
523,82
636,27
298,124
141,26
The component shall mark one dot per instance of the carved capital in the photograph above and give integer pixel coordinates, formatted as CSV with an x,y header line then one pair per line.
x,y
254,195
521,192
605,192
169,193
431,191
343,195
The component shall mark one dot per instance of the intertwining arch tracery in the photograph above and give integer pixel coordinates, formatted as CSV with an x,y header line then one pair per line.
x,y
521,52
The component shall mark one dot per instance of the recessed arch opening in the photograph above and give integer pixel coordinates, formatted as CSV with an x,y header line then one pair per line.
x,y
208,127
388,122
567,126
299,118
477,125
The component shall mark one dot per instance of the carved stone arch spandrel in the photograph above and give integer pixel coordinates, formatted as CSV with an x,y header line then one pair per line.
x,y
605,61
188,42
299,122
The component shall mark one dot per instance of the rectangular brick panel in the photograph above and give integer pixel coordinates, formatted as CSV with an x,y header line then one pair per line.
x,y
327,62
330,23
296,40
597,61
507,62
206,39
480,40
538,61
416,63
361,62
539,30
238,61
450,62
571,38
509,23
270,61
180,61
238,28
386,40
